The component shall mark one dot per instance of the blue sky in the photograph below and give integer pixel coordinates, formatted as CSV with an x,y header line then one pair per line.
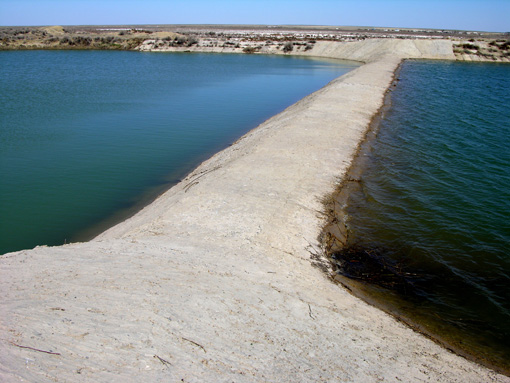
x,y
487,15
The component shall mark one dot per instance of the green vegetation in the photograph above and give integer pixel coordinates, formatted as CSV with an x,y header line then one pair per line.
x,y
157,37
489,50
470,46
14,38
288,47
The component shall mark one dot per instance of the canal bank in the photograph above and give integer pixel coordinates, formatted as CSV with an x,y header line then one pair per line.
x,y
215,279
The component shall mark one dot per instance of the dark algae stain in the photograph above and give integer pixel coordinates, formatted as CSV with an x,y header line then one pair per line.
x,y
375,267
420,225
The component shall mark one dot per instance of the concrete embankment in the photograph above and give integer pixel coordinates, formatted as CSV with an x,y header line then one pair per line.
x,y
215,280
364,50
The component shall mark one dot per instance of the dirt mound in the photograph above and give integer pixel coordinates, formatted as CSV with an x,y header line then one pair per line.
x,y
54,30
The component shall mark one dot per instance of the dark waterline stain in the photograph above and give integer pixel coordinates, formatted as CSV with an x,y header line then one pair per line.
x,y
401,279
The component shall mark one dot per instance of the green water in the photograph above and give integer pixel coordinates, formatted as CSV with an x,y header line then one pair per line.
x,y
87,137
434,203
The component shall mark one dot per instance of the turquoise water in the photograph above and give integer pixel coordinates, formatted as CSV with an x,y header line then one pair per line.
x,y
433,203
86,137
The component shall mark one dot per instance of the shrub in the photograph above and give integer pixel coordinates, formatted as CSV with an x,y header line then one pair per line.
x,y
191,41
180,40
81,41
288,47
134,42
505,45
470,46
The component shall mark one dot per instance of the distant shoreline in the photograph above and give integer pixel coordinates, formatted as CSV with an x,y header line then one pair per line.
x,y
214,279
466,45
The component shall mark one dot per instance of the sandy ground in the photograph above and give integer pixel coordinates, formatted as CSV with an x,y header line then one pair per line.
x,y
215,281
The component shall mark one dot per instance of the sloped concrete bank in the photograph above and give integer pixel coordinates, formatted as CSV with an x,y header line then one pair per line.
x,y
214,281
364,50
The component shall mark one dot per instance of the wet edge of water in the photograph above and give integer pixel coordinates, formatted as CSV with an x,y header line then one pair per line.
x,y
335,237
153,193
146,198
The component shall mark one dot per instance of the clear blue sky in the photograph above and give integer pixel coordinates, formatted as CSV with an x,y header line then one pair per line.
x,y
486,15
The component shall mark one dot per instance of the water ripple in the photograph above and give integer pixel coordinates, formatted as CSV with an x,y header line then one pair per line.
x,y
436,192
